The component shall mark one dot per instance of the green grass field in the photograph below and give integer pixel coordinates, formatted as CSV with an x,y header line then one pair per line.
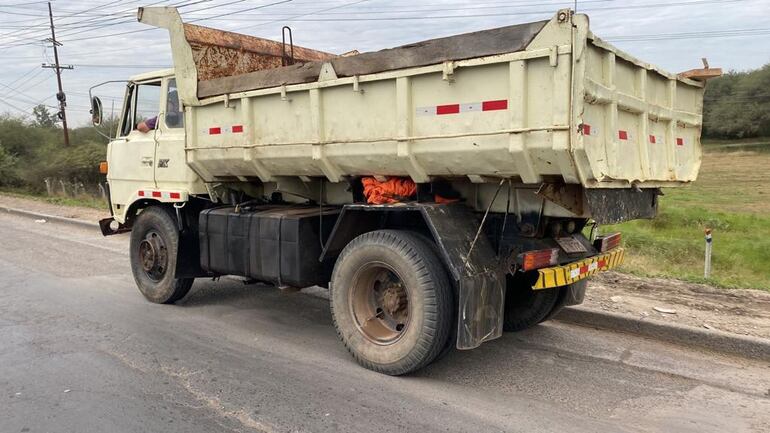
x,y
731,197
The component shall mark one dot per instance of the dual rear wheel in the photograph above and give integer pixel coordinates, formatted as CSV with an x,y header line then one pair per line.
x,y
393,304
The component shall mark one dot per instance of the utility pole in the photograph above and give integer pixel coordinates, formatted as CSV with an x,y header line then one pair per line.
x,y
61,97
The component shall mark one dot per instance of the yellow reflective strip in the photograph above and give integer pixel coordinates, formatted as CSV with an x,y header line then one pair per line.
x,y
561,279
622,257
614,260
539,282
550,280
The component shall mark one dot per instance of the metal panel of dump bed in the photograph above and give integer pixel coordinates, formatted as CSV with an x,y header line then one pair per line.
x,y
544,101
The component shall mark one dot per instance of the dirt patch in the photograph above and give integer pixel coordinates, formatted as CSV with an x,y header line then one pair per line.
x,y
32,205
740,311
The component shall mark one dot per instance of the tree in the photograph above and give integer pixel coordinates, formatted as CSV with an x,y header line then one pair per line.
x,y
8,173
737,105
43,117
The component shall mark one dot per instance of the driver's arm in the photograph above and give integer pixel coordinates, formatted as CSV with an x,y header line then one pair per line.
x,y
147,125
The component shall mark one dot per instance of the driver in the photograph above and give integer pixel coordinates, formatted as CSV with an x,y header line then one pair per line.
x,y
149,124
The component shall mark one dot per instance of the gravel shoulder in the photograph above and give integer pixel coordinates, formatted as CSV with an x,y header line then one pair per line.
x,y
739,311
39,206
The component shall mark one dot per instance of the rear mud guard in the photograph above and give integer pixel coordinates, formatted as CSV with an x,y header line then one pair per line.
x,y
478,275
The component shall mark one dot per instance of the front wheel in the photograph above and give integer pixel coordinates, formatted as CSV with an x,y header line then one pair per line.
x,y
391,301
154,248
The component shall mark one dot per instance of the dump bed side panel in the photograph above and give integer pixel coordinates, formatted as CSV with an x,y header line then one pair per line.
x,y
497,116
566,108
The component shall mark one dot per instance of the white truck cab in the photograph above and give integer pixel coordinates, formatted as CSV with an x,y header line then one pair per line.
x,y
150,166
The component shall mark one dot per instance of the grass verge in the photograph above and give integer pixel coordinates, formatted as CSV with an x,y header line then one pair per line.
x,y
82,201
731,197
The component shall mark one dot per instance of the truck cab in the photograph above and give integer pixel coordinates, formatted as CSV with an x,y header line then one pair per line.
x,y
149,166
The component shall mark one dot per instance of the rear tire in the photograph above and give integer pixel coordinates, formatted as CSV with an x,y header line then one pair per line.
x,y
154,248
525,307
391,301
565,298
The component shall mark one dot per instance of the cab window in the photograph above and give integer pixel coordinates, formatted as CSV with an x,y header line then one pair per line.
x,y
174,114
142,105
147,104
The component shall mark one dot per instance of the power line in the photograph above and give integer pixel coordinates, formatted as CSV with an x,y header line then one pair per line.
x,y
690,35
96,22
21,110
122,66
369,18
154,28
19,92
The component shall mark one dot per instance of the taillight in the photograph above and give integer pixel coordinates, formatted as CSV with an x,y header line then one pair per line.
x,y
539,259
103,167
607,242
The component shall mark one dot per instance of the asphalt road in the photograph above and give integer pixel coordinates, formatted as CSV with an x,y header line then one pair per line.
x,y
82,351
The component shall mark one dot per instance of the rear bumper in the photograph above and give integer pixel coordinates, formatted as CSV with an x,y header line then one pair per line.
x,y
563,275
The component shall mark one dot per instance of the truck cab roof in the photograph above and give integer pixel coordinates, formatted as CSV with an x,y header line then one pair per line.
x,y
152,74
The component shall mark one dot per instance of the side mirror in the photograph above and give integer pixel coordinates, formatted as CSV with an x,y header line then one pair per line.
x,y
96,111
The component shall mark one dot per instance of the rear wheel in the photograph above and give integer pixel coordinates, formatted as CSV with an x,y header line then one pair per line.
x,y
391,301
154,248
525,307
568,295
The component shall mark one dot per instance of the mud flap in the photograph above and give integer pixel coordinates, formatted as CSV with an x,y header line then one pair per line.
x,y
480,277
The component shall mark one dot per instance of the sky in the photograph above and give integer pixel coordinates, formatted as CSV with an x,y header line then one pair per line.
x,y
102,40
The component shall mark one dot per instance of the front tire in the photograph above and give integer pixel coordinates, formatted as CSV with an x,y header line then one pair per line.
x,y
154,249
391,301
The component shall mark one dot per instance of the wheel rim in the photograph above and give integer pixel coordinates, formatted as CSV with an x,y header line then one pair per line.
x,y
379,301
153,255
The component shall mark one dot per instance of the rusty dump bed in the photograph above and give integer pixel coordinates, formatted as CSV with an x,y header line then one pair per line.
x,y
219,53
228,62
460,47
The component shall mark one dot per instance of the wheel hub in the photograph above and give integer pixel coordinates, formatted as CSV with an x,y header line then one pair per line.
x,y
393,299
380,303
153,256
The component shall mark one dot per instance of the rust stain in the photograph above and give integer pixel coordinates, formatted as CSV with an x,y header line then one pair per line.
x,y
219,53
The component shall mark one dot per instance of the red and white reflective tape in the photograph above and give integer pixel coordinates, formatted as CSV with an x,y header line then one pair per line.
x,y
163,195
624,135
577,272
590,130
439,110
218,130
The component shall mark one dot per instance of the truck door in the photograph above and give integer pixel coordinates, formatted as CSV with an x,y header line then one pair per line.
x,y
171,169
132,154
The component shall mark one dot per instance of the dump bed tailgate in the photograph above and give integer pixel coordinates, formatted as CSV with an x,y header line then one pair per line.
x,y
635,124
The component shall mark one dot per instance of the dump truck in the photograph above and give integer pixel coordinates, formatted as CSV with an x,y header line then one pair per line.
x,y
444,192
